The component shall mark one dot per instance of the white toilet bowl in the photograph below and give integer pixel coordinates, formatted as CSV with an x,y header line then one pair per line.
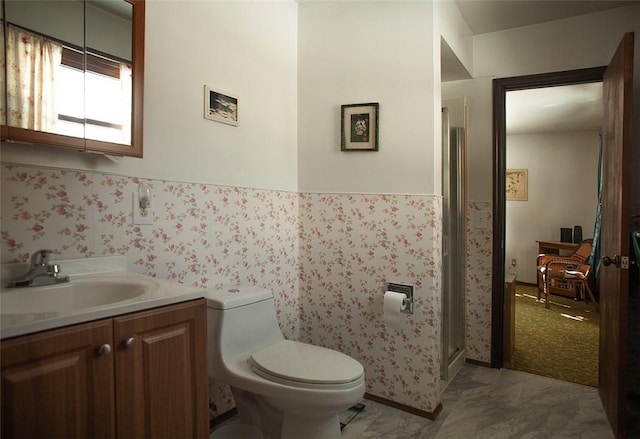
x,y
288,389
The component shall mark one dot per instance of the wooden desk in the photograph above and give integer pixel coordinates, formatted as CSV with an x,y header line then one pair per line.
x,y
557,248
563,249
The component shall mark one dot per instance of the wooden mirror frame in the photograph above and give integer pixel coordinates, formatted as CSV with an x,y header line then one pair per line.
x,y
22,135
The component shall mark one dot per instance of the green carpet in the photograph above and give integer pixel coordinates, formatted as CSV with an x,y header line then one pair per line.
x,y
560,342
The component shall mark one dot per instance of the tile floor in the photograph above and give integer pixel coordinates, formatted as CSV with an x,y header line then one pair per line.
x,y
493,404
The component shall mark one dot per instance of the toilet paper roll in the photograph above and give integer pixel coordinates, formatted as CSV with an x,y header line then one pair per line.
x,y
392,309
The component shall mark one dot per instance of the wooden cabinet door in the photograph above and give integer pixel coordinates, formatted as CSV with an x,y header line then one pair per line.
x,y
56,384
161,373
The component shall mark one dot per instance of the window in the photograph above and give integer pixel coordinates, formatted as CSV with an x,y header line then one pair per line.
x,y
98,102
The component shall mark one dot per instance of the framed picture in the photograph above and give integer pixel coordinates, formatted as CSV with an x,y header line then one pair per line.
x,y
359,127
516,184
220,106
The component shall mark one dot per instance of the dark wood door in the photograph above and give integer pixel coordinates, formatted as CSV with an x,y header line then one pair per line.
x,y
56,384
614,273
161,373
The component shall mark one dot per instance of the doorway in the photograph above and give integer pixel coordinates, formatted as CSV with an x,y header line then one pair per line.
x,y
617,80
500,89
552,151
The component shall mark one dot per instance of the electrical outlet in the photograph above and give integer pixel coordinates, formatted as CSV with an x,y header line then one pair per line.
x,y
514,262
142,216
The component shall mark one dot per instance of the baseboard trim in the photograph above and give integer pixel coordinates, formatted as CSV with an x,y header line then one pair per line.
x,y
222,417
478,363
405,408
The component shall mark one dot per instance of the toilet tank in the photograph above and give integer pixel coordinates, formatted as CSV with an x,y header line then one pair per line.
x,y
240,320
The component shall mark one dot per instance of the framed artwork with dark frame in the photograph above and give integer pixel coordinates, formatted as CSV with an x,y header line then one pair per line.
x,y
220,106
359,124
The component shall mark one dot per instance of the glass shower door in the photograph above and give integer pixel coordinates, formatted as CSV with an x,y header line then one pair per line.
x,y
453,251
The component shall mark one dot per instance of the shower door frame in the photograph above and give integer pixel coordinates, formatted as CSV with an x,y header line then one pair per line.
x,y
453,245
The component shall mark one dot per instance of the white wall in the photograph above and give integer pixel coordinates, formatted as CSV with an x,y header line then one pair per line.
x,y
65,21
248,49
107,32
389,53
573,43
562,192
359,52
60,19
293,65
479,134
580,42
456,33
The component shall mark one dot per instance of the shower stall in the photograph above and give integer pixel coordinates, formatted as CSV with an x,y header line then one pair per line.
x,y
453,238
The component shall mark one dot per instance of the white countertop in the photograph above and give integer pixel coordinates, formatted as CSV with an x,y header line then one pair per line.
x,y
30,316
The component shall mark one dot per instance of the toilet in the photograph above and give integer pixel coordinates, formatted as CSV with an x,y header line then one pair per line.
x,y
287,389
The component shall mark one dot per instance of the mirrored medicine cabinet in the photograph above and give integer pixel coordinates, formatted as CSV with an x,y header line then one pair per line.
x,y
72,74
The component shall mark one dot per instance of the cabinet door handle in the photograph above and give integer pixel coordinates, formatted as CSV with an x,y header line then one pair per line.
x,y
104,350
130,342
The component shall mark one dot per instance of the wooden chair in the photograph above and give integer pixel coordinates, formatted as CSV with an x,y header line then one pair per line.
x,y
579,256
567,270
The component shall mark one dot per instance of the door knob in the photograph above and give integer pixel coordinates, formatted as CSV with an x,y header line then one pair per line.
x,y
130,342
606,261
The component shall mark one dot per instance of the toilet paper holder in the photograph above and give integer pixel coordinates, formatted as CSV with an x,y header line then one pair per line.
x,y
405,289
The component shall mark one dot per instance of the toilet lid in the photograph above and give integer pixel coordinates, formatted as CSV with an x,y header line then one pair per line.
x,y
304,363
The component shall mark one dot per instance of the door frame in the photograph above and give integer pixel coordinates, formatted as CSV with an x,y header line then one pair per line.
x,y
500,88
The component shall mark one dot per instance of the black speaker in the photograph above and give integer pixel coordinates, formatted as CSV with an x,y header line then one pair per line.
x,y
566,234
577,234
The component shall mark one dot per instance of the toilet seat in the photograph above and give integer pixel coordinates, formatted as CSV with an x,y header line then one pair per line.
x,y
303,365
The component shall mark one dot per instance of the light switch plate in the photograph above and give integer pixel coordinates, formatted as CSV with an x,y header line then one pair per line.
x,y
137,212
480,220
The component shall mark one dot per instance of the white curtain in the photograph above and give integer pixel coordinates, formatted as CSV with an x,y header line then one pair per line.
x,y
127,109
32,61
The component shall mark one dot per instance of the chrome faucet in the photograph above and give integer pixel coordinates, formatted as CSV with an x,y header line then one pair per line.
x,y
41,272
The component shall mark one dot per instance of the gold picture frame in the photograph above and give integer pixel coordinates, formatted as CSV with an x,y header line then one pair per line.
x,y
516,184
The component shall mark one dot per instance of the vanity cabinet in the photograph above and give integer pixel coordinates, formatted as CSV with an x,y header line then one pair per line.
x,y
55,384
161,373
137,375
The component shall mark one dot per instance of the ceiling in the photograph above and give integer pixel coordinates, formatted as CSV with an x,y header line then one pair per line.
x,y
566,108
553,109
120,9
483,16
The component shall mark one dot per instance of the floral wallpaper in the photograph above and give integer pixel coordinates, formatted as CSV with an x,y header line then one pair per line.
x,y
351,246
203,235
478,288
327,258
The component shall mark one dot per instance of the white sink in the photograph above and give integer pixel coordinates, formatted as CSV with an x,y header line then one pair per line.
x,y
78,294
99,288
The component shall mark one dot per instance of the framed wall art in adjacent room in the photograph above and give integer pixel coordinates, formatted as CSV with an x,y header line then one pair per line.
x,y
517,184
359,127
220,106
